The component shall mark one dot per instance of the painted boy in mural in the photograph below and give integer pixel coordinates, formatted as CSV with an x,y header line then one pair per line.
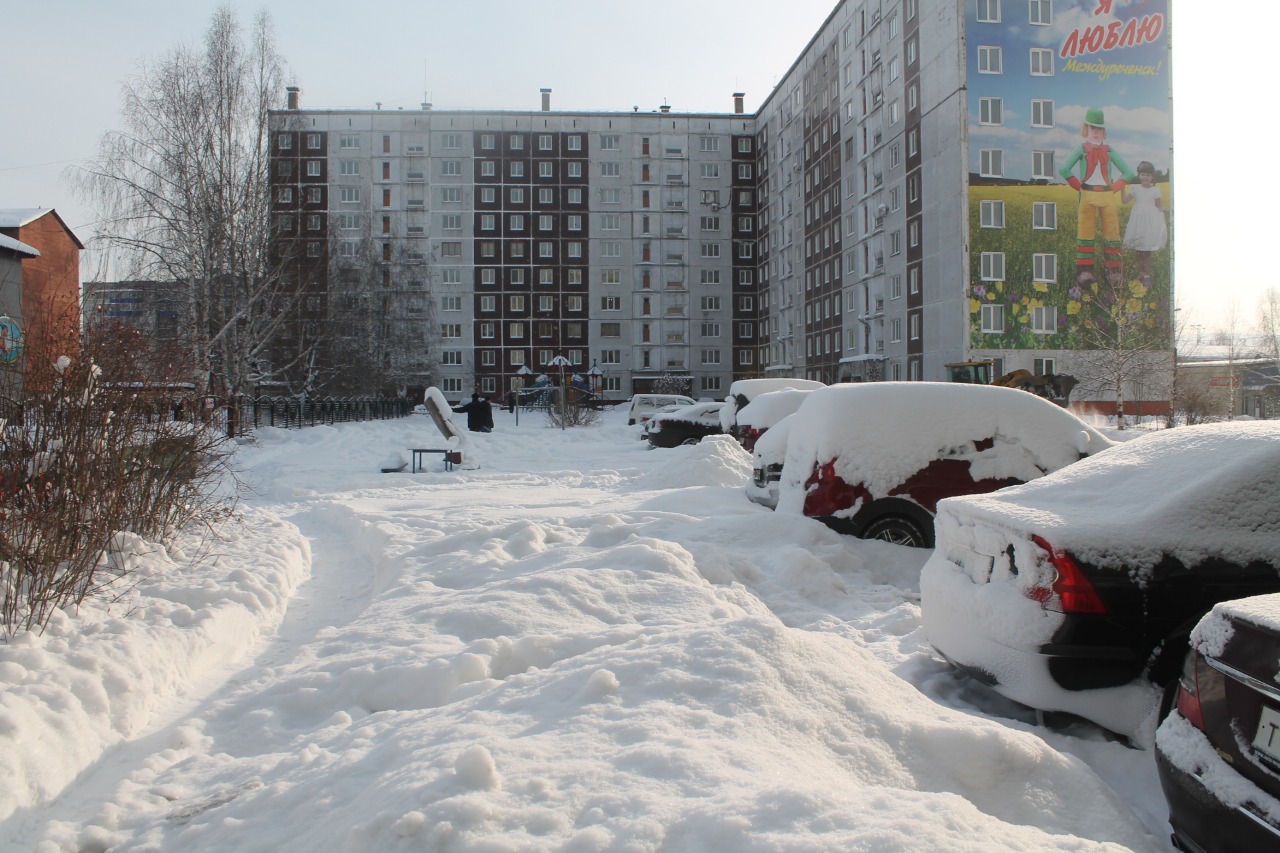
x,y
1099,174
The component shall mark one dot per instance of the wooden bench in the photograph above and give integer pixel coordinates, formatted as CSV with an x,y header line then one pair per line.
x,y
451,458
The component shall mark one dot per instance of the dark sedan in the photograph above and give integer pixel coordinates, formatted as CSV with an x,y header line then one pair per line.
x,y
1077,592
1219,753
684,426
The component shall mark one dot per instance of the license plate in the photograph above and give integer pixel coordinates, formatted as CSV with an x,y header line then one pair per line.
x,y
1267,739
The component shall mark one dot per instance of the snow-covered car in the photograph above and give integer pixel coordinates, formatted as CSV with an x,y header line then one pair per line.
x,y
644,406
764,411
743,391
1077,592
766,465
874,459
1218,753
685,425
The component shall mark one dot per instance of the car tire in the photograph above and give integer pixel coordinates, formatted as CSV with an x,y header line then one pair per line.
x,y
689,441
896,530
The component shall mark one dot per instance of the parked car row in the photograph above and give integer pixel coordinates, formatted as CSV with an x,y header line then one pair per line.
x,y
1073,574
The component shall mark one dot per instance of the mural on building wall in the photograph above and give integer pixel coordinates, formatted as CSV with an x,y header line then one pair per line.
x,y
1069,144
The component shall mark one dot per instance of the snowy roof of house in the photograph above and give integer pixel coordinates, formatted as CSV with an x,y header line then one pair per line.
x,y
18,246
19,217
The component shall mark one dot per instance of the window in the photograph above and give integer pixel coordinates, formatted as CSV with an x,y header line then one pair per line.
x,y
515,330
895,329
610,330
488,222
709,143
710,250
451,275
349,195
575,222
349,140
1044,267
450,195
1042,164
546,195
1043,366
745,303
575,143
488,248
711,356
315,195
992,319
610,303
744,144
545,142
486,330
451,249
517,195
451,356
610,249
1044,215
710,171
611,276
989,11
488,304
574,169
1041,62
611,356
610,222
450,168
546,303
991,162
744,171
992,266
1040,12
991,110
313,142
610,170
745,223
515,357
710,223
711,303
488,275
1044,319
284,141
745,250
452,384
1041,113
895,243
913,327
546,249
546,169
990,60
517,222
574,248
313,168
452,221
991,214
487,141
517,169
746,357
452,140
451,330
610,141
488,195
710,330
573,195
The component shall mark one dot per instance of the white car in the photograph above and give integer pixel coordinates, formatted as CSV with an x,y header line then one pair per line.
x,y
644,406
744,391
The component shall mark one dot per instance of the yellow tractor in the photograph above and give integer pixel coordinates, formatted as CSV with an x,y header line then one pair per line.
x,y
1051,387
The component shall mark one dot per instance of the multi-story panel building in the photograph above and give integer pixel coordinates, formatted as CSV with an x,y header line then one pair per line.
x,y
912,193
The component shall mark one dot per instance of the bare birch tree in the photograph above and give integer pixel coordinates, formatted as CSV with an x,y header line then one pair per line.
x,y
182,194
1126,347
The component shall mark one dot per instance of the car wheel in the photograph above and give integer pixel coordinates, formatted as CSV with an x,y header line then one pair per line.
x,y
896,530
691,441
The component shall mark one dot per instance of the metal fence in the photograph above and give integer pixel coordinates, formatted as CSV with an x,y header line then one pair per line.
x,y
245,414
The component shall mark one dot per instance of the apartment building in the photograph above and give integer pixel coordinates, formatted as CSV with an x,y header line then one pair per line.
x,y
922,187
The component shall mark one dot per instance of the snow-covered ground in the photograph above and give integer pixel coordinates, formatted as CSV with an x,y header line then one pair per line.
x,y
572,643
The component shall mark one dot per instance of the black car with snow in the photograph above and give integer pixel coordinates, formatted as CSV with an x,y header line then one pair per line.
x,y
1077,592
687,425
1218,753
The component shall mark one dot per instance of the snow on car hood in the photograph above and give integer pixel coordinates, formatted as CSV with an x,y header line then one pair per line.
x,y
881,433
767,409
1193,492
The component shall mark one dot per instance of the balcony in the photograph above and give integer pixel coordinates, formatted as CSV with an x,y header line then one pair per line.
x,y
415,177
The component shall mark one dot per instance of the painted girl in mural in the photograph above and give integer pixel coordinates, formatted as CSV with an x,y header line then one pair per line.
x,y
1146,232
1099,174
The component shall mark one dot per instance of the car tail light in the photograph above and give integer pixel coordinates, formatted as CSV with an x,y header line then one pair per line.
x,y
1188,701
1075,593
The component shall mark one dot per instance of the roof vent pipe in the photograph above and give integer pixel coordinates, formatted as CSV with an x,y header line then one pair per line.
x,y
737,102
666,108
291,102
546,100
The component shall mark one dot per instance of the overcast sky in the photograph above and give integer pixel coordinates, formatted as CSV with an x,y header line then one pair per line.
x,y
66,59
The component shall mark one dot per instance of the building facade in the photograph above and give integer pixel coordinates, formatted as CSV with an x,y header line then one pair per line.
x,y
902,200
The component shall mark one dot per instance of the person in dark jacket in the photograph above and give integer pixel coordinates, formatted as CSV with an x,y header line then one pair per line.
x,y
479,414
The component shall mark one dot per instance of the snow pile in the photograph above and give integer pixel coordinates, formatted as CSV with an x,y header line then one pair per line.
x,y
879,434
101,674
717,460
554,653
